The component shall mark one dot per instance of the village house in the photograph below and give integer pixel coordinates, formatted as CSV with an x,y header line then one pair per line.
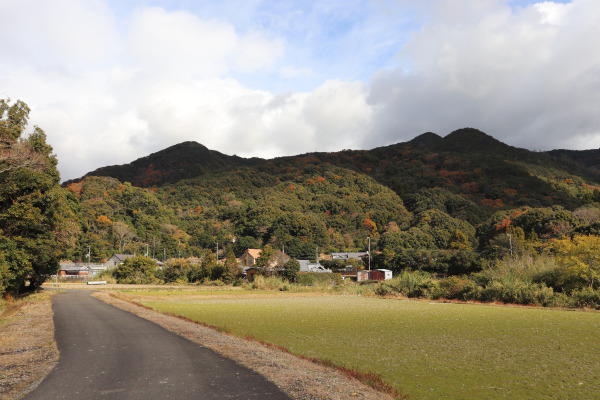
x,y
307,266
250,256
116,260
248,259
70,269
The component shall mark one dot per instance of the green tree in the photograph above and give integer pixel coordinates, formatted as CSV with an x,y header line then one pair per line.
x,y
263,263
291,269
232,269
37,223
579,262
138,269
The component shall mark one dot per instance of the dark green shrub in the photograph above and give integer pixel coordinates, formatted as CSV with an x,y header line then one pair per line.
x,y
518,292
410,284
138,269
587,297
455,287
291,269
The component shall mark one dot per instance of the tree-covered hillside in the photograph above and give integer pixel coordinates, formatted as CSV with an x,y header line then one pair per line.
x,y
448,199
446,205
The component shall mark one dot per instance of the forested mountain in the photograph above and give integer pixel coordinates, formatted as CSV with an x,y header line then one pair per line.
x,y
184,160
431,198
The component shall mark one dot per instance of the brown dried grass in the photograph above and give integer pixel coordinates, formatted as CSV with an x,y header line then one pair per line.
x,y
27,349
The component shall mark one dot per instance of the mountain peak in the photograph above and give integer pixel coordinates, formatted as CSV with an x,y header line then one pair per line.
x,y
469,139
183,160
426,139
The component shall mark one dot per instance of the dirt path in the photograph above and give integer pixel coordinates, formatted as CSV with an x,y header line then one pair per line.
x,y
27,349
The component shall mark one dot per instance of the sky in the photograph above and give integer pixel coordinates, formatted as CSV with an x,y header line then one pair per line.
x,y
110,81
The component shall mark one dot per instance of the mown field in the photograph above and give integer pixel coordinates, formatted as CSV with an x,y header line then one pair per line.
x,y
427,350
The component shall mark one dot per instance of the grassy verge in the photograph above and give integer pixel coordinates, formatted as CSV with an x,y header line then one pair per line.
x,y
428,350
27,349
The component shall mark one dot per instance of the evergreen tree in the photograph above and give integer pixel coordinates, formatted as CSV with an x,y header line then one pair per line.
x,y
37,223
291,269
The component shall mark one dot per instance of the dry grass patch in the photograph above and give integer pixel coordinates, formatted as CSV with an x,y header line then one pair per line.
x,y
27,348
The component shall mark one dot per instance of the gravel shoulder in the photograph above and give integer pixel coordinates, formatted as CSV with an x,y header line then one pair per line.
x,y
27,349
299,378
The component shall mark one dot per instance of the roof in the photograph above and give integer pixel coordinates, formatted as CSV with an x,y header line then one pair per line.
x,y
73,267
122,257
255,253
347,256
307,266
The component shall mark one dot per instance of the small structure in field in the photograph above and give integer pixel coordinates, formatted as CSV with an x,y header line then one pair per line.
x,y
249,273
362,276
380,275
73,270
374,275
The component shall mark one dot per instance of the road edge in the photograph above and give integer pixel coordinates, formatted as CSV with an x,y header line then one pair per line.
x,y
299,378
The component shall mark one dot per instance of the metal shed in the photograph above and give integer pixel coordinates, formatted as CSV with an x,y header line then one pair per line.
x,y
381,275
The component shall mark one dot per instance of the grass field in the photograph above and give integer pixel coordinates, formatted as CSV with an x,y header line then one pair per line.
x,y
427,350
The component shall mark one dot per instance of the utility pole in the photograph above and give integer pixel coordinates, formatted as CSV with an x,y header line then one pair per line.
x,y
146,249
369,238
510,243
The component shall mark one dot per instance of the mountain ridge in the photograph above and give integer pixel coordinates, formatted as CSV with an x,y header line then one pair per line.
x,y
467,162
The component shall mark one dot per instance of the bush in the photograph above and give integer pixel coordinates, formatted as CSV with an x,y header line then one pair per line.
x,y
138,269
455,287
586,297
176,271
106,275
291,269
316,278
409,284
518,292
261,282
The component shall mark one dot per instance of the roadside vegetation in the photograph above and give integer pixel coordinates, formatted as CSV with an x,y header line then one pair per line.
x,y
424,349
27,349
559,277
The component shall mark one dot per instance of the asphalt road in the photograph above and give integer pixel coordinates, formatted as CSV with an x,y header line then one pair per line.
x,y
108,353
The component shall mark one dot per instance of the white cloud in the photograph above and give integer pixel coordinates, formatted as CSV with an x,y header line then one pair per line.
x,y
183,44
529,76
63,33
108,89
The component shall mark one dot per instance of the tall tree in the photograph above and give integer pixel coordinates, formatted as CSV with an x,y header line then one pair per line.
x,y
123,233
37,223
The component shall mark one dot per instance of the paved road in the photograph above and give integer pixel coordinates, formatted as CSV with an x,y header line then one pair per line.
x,y
108,353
